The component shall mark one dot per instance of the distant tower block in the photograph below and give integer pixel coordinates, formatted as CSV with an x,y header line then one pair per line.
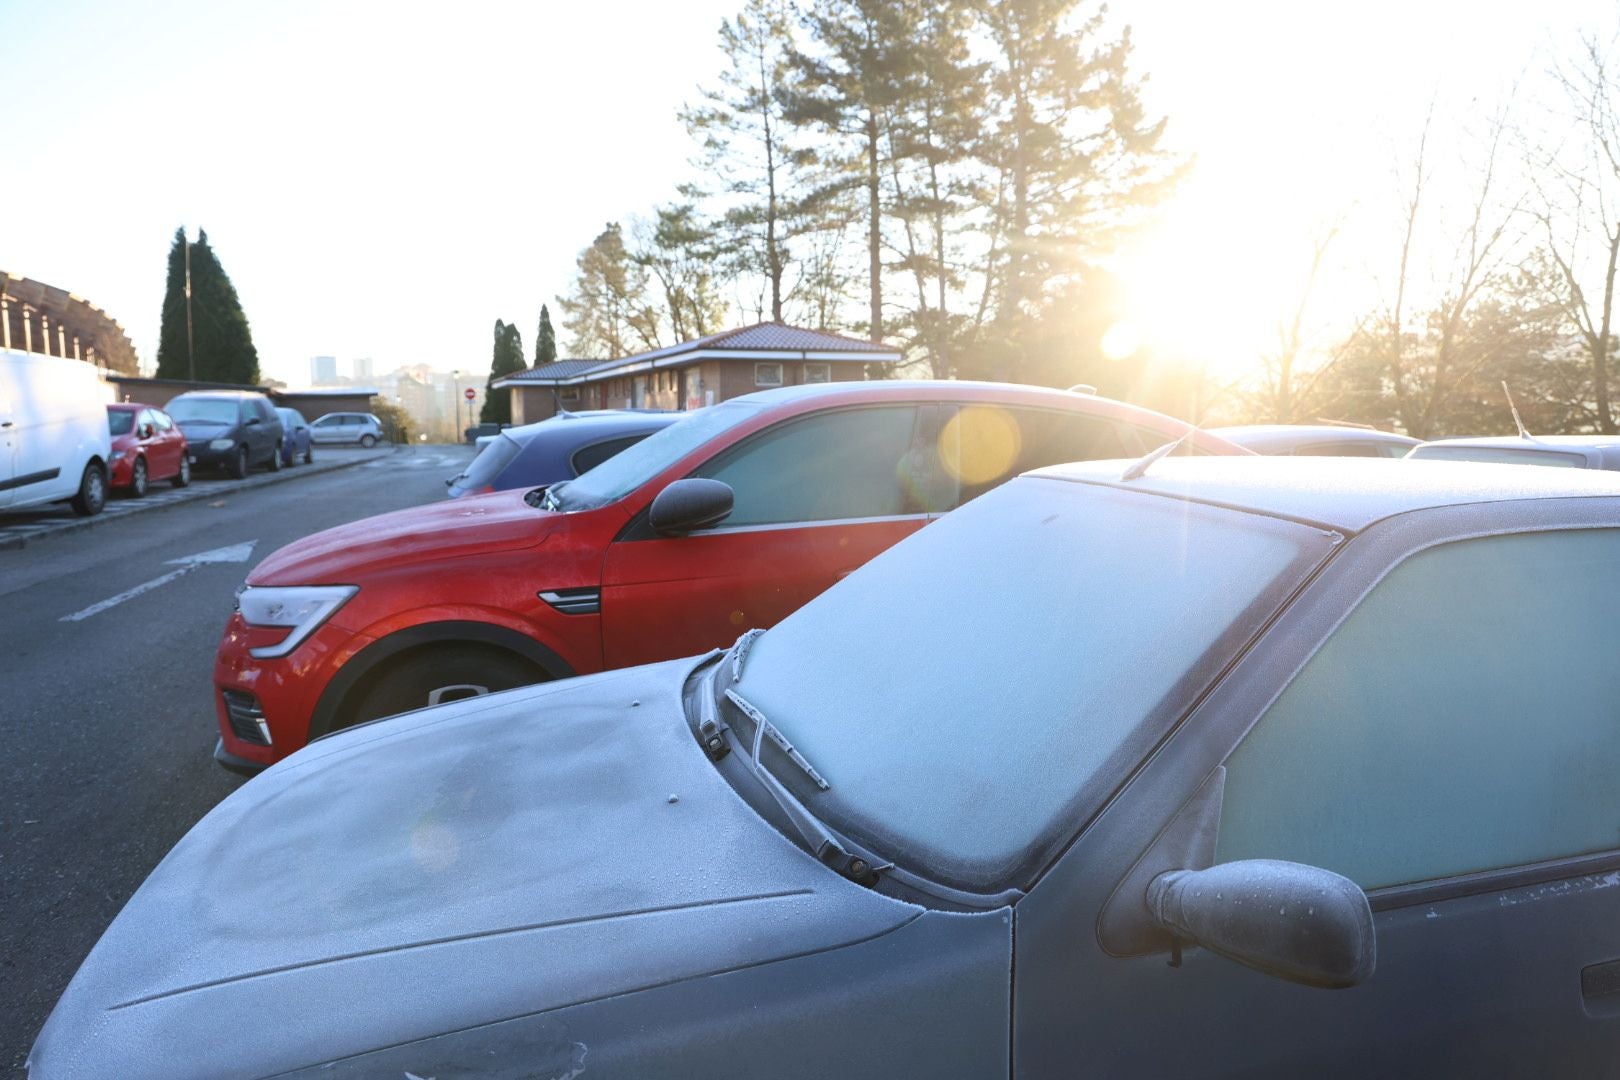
x,y
362,367
322,370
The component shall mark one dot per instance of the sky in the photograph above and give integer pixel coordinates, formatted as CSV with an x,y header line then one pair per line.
x,y
387,179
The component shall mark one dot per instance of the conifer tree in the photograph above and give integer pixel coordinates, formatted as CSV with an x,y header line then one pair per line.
x,y
507,359
545,339
743,132
220,348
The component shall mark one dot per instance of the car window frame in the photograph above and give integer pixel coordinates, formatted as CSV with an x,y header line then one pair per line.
x,y
1208,735
628,438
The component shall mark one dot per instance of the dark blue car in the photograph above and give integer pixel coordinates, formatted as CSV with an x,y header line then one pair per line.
x,y
536,455
296,439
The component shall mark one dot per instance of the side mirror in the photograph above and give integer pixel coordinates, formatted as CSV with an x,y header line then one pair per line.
x,y
689,505
144,432
251,421
1286,919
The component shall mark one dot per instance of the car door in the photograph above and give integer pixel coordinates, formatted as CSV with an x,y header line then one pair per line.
x,y
1442,733
165,446
8,436
815,497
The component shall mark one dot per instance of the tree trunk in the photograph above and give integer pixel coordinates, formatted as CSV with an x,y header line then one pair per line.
x,y
874,230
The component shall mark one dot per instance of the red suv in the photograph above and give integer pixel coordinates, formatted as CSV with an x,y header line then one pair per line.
x,y
730,519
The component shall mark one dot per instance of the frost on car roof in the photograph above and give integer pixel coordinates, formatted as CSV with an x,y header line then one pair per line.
x,y
1347,494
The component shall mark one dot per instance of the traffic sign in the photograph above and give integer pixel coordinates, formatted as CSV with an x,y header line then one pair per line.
x,y
469,393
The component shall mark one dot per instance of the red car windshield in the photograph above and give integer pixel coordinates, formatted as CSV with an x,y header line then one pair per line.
x,y
627,470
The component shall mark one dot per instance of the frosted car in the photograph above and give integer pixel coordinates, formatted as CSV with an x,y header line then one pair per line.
x,y
1194,767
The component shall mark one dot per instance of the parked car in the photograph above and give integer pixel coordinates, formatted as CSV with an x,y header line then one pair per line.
x,y
556,449
147,446
347,427
1566,451
54,445
233,430
297,443
1317,440
1117,771
729,518
477,433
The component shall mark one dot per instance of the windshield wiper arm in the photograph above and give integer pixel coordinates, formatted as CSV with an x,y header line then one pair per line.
x,y
821,841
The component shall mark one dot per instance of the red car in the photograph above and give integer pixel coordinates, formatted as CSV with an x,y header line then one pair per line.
x,y
730,519
147,446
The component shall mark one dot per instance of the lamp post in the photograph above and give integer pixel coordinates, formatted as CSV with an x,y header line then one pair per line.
x,y
455,396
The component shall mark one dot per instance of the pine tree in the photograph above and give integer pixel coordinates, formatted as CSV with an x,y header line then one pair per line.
x,y
678,250
743,130
545,340
847,89
1078,159
221,347
607,311
507,359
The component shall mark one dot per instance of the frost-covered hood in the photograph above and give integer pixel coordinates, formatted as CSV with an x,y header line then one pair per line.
x,y
496,857
500,521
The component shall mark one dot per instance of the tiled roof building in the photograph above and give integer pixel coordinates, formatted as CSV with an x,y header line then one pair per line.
x,y
694,373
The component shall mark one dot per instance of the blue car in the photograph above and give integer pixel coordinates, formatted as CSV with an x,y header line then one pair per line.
x,y
297,444
537,455
1193,767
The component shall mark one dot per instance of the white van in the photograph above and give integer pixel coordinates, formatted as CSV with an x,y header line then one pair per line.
x,y
54,441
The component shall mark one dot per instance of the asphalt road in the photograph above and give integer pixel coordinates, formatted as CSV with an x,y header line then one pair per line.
x,y
107,721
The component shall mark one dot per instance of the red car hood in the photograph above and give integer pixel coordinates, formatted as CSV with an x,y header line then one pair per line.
x,y
124,442
500,521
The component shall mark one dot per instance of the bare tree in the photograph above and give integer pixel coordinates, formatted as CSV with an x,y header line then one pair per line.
x,y
1578,210
1429,360
1291,374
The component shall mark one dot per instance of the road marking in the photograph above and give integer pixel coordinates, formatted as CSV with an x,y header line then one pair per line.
x,y
236,553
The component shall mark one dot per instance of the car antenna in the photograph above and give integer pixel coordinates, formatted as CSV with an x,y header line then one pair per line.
x,y
1523,434
1140,466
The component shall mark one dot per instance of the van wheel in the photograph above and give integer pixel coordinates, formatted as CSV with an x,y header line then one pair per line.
x,y
137,479
238,465
183,477
368,440
275,459
437,675
92,496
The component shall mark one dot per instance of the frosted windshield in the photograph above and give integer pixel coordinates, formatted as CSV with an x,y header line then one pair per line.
x,y
963,690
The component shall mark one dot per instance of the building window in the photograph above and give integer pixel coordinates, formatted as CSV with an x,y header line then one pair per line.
x,y
817,373
767,374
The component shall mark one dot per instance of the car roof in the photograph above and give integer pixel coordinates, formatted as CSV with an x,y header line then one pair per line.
x,y
909,388
1517,442
1345,494
607,422
224,395
1275,435
128,406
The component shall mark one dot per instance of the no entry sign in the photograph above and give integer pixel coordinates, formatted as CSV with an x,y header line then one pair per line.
x,y
469,393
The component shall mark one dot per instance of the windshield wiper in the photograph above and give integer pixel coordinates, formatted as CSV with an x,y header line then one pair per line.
x,y
821,841
550,501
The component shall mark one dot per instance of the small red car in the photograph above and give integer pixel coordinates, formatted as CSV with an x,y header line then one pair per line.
x,y
147,446
729,519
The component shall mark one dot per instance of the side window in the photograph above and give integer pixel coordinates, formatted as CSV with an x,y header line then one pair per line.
x,y
1462,718
982,446
161,419
244,412
849,464
325,421
1339,449
589,457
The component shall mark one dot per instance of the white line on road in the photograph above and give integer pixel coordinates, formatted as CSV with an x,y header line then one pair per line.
x,y
236,553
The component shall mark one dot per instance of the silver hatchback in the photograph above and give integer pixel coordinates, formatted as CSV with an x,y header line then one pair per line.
x,y
347,427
